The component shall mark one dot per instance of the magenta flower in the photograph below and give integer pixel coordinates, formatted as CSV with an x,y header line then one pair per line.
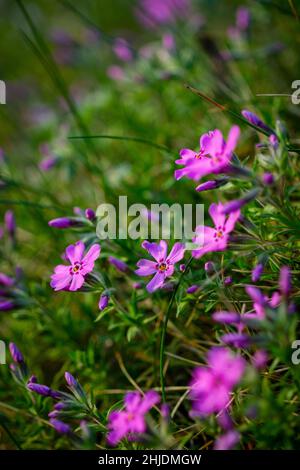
x,y
72,277
268,178
255,120
115,72
63,222
257,272
6,281
118,264
153,13
214,156
285,283
217,238
10,223
122,50
189,157
103,302
131,421
163,266
211,386
60,426
227,441
16,354
213,184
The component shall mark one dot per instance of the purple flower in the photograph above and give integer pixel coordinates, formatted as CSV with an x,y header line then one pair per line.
x,y
40,389
211,386
131,421
237,204
122,50
32,379
10,223
153,13
60,406
16,354
103,302
47,163
274,141
225,421
6,281
238,340
90,214
209,267
255,120
257,272
242,18
268,178
163,266
213,184
227,441
63,222
260,359
285,284
256,295
72,277
60,427
71,381
227,281
182,268
217,238
227,318
115,72
192,289
214,156
168,41
6,305
117,263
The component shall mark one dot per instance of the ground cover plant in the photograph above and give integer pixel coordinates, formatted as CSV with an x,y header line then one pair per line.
x,y
146,343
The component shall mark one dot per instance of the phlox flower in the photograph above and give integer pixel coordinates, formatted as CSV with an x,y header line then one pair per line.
x,y
163,266
215,238
131,421
72,277
211,386
214,156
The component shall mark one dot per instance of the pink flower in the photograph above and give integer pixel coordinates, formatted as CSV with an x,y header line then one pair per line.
x,y
153,13
227,441
217,238
115,72
122,50
163,266
214,156
72,277
131,421
212,385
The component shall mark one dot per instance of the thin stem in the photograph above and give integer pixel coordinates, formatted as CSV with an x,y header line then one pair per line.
x,y
164,332
14,440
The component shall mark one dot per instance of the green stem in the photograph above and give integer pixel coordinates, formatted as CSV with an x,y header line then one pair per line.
x,y
14,440
164,331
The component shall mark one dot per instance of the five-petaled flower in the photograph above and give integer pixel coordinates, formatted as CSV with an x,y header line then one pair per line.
x,y
214,156
72,277
131,421
211,386
163,266
215,238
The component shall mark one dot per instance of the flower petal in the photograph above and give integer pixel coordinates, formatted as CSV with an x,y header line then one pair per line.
x,y
177,253
146,267
156,282
74,253
77,281
217,217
